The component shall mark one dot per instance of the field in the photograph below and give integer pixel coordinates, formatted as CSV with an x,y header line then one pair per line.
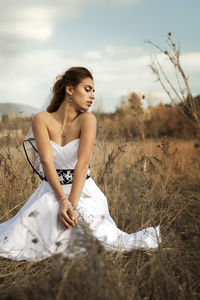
x,y
149,182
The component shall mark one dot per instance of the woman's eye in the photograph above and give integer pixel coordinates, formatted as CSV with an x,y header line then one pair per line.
x,y
87,89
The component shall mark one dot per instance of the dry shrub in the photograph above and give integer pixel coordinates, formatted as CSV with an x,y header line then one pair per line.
x,y
15,123
146,183
130,121
15,177
125,123
165,120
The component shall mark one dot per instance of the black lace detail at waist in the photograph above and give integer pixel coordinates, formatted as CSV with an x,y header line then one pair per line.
x,y
66,175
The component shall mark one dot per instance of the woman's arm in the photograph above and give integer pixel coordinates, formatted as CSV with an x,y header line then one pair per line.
x,y
88,134
45,152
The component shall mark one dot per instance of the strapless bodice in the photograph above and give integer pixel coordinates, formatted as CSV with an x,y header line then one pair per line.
x,y
65,157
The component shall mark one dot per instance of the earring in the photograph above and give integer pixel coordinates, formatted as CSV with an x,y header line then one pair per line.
x,y
70,99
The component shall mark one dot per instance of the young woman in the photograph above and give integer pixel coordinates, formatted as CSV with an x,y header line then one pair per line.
x,y
59,148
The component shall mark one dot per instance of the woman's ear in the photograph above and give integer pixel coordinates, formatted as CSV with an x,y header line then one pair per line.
x,y
69,89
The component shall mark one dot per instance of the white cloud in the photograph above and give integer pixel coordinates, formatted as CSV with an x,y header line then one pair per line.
x,y
114,52
191,61
20,10
35,20
93,54
26,30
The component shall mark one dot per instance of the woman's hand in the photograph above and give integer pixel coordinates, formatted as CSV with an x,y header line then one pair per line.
x,y
67,214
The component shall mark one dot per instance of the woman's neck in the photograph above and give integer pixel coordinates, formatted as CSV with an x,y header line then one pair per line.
x,y
66,113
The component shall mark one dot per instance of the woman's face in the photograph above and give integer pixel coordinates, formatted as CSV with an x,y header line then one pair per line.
x,y
83,94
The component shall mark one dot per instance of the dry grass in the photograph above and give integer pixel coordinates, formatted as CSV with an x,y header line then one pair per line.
x,y
146,183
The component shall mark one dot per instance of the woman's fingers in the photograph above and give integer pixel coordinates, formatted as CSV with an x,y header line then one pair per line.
x,y
67,218
73,215
65,224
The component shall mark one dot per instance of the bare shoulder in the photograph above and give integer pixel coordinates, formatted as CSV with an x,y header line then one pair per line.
x,y
88,125
87,117
87,132
40,117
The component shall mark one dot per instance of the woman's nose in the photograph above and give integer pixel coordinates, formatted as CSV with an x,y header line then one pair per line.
x,y
92,96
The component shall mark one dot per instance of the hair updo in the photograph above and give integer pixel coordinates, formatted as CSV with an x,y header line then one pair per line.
x,y
72,76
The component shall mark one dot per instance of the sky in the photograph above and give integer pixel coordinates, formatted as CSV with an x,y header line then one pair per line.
x,y
40,39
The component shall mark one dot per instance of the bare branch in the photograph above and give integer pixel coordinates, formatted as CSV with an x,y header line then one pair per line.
x,y
173,53
167,80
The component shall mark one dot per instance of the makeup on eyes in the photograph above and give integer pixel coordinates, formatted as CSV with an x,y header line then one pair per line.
x,y
90,88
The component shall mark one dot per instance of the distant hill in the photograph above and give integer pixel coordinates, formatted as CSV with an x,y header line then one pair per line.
x,y
9,108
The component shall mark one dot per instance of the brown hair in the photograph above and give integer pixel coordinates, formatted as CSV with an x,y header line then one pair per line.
x,y
72,76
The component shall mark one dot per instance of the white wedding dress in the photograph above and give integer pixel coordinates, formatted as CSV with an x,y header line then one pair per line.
x,y
35,233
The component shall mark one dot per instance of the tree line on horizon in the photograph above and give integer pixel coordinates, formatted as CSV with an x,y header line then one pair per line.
x,y
130,120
